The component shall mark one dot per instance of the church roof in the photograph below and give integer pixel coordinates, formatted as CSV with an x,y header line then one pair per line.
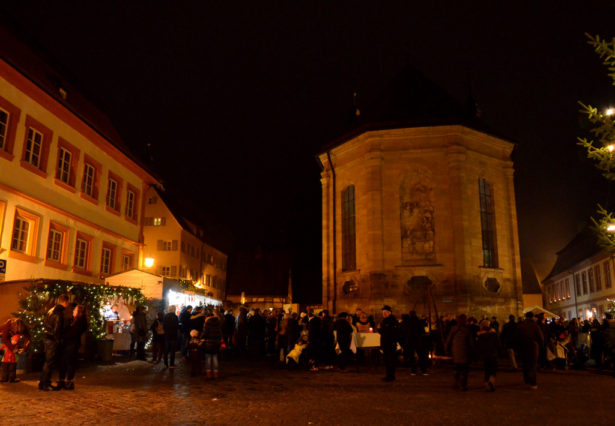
x,y
412,100
40,71
583,246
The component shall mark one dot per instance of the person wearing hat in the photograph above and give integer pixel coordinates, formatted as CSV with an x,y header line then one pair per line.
x,y
389,336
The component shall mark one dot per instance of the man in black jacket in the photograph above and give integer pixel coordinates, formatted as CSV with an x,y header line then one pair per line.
x,y
170,324
389,336
53,340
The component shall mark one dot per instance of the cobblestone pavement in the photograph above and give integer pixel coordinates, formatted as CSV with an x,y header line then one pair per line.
x,y
137,392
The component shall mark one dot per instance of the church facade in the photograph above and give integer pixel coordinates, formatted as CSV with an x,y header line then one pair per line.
x,y
420,218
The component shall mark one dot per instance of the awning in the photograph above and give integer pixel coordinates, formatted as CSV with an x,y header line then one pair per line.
x,y
538,310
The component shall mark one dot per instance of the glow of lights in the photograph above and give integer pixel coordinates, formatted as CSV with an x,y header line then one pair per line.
x,y
149,262
610,147
610,228
609,111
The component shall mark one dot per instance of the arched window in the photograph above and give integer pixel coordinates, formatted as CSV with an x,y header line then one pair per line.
x,y
349,261
487,222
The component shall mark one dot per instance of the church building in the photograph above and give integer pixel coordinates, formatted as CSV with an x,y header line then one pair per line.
x,y
418,209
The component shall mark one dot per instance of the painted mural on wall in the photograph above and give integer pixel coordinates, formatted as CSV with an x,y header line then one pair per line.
x,y
417,216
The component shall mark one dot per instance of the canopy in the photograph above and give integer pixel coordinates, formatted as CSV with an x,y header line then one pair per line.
x,y
538,310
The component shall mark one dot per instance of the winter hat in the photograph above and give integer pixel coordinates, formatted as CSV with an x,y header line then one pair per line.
x,y
387,308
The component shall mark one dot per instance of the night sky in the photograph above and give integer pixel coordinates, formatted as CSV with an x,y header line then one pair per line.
x,y
236,99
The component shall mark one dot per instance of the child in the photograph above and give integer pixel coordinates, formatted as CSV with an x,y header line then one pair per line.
x,y
294,356
194,355
9,360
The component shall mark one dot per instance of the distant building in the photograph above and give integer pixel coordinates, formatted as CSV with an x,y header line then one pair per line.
x,y
581,279
177,247
419,200
71,193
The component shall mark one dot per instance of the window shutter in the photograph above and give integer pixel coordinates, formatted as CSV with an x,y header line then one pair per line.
x,y
174,245
160,245
173,270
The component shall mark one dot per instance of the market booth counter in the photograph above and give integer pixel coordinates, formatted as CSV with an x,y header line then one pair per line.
x,y
31,300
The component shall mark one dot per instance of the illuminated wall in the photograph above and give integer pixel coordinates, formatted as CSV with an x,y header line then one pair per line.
x,y
45,212
406,205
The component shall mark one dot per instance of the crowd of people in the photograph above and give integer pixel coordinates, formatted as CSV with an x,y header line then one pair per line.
x,y
322,341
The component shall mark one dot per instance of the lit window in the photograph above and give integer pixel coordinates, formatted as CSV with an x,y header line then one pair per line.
x,y
64,166
112,194
158,221
81,253
54,245
33,148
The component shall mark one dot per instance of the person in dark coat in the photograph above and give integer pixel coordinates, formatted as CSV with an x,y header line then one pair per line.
x,y
184,327
314,327
487,346
292,331
389,336
140,327
328,342
412,336
228,328
530,343
53,340
212,334
509,331
170,324
256,334
78,325
343,332
460,343
157,329
241,328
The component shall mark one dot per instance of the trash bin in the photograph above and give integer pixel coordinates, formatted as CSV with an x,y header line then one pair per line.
x,y
105,350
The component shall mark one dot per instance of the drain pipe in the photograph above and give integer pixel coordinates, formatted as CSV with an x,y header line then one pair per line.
x,y
334,301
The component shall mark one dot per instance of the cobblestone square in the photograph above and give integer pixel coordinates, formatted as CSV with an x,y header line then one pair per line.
x,y
137,393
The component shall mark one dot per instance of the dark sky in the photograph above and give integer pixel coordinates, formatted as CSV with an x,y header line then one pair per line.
x,y
236,98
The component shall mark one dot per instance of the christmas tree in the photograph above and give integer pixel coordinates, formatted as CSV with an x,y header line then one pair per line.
x,y
601,147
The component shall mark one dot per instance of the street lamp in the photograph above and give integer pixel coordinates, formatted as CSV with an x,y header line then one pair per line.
x,y
149,261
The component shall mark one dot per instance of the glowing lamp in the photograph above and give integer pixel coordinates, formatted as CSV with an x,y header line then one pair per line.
x,y
610,228
610,147
609,111
149,262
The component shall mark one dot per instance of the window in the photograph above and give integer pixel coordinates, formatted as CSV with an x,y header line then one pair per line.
x,y
9,117
83,254
4,128
132,202
24,236
487,221
106,259
152,200
21,230
598,277
57,247
127,261
154,221
584,280
166,271
590,278
34,145
349,261
91,179
208,280
577,284
113,193
567,286
607,275
64,163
